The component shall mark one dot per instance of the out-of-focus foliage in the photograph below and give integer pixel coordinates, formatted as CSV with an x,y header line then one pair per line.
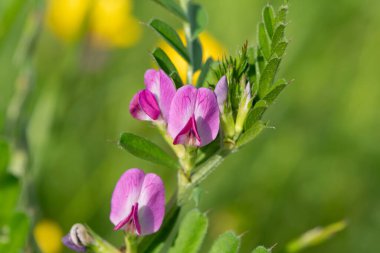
x,y
319,165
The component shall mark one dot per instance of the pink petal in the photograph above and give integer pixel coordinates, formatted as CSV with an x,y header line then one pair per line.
x,y
206,115
136,110
162,87
125,195
151,204
182,109
221,91
189,134
149,104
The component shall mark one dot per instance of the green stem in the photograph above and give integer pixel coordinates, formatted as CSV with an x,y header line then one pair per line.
x,y
98,244
131,243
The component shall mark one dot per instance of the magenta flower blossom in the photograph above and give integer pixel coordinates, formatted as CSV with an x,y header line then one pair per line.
x,y
194,116
153,103
221,92
138,202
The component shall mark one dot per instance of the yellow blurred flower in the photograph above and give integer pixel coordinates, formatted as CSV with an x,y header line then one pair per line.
x,y
48,234
110,22
211,48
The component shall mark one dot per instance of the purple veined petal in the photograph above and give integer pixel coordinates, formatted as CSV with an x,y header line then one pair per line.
x,y
221,92
136,110
189,134
182,109
206,115
148,104
125,195
163,88
67,241
151,204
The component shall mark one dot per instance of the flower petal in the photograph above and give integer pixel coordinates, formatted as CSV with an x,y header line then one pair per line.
x,y
126,194
67,241
135,108
206,115
221,91
182,109
151,204
149,104
163,88
189,134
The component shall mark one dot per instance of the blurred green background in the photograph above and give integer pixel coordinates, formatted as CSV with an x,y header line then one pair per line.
x,y
319,165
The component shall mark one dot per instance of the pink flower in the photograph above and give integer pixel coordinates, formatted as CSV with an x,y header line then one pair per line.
x,y
153,103
138,202
194,116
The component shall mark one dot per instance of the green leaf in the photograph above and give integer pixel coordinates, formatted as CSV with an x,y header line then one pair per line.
x,y
255,114
204,72
191,233
177,79
226,243
315,236
172,7
251,133
269,19
261,249
4,156
147,150
167,66
196,54
281,14
280,48
275,91
279,35
9,194
268,75
198,19
264,41
16,234
171,36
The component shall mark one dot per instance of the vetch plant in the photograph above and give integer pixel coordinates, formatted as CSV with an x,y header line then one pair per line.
x,y
201,122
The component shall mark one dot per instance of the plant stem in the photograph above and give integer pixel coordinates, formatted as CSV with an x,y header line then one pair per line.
x,y
131,243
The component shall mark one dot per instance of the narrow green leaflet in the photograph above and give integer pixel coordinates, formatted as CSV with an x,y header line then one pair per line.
x,y
147,150
315,236
269,19
198,19
191,233
264,41
171,36
275,90
16,234
4,156
196,54
261,249
268,76
280,48
172,7
282,13
256,113
279,35
251,133
228,242
166,65
204,72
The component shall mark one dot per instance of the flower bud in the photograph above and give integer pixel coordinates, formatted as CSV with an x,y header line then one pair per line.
x,y
244,107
